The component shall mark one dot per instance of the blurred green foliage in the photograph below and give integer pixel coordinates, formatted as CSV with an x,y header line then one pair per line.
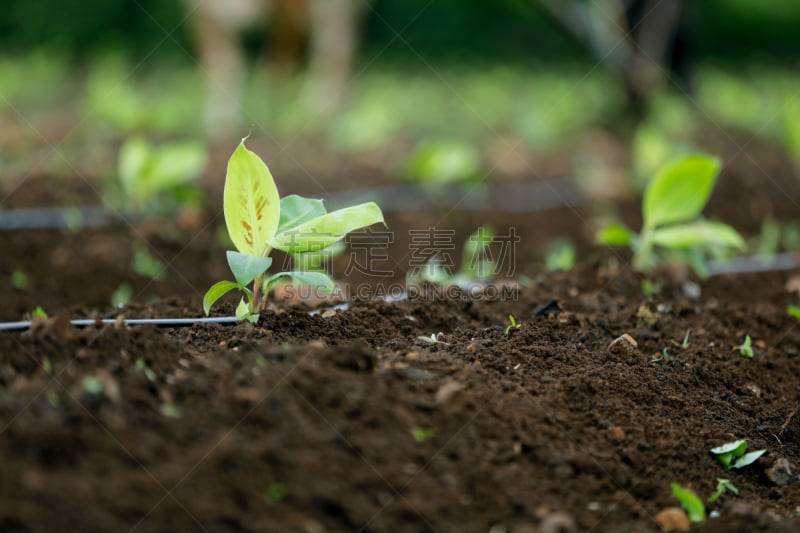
x,y
452,29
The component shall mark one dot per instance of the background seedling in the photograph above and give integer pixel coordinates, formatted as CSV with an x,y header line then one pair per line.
x,y
722,486
38,313
793,310
513,324
476,264
685,343
560,255
149,175
258,221
122,295
671,208
732,454
421,434
146,264
746,348
19,280
693,505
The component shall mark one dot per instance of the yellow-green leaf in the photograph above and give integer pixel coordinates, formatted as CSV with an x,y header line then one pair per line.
x,y
250,202
323,231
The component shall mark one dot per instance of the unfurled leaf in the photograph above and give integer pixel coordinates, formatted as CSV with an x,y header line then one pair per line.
x,y
323,231
699,233
243,312
246,268
315,280
615,235
251,202
296,210
217,291
747,459
693,505
680,190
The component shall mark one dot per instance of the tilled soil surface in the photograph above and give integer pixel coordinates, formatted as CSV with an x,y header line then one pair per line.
x,y
345,421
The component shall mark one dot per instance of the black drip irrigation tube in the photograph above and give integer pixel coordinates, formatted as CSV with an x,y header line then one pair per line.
x,y
23,325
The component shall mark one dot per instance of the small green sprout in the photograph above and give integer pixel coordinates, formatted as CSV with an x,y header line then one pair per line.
x,y
53,399
722,486
694,506
732,454
560,255
421,434
275,492
793,310
141,364
47,366
513,324
92,385
259,221
19,280
38,313
122,295
170,411
433,339
685,343
671,208
146,264
746,348
477,265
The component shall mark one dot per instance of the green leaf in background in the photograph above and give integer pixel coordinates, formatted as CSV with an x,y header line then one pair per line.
x,y
615,235
699,233
217,291
296,210
243,312
176,163
250,202
134,158
693,505
680,190
246,268
323,231
315,280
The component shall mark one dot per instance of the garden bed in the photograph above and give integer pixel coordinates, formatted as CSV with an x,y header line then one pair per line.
x,y
345,420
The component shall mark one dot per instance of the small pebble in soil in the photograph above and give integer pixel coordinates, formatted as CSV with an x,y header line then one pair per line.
x,y
782,472
623,345
673,519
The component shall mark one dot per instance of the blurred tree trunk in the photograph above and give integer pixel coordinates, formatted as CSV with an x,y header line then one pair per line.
x,y
334,38
288,42
634,38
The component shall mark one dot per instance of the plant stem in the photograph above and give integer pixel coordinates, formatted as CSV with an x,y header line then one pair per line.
x,y
642,259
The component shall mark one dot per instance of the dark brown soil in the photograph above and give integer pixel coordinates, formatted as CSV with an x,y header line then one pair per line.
x,y
345,421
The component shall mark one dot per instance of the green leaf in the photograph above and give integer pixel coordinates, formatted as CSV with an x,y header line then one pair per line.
x,y
680,190
175,164
246,268
134,159
315,280
722,486
794,311
747,459
296,210
243,312
250,202
217,291
729,451
323,231
615,235
699,233
693,505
